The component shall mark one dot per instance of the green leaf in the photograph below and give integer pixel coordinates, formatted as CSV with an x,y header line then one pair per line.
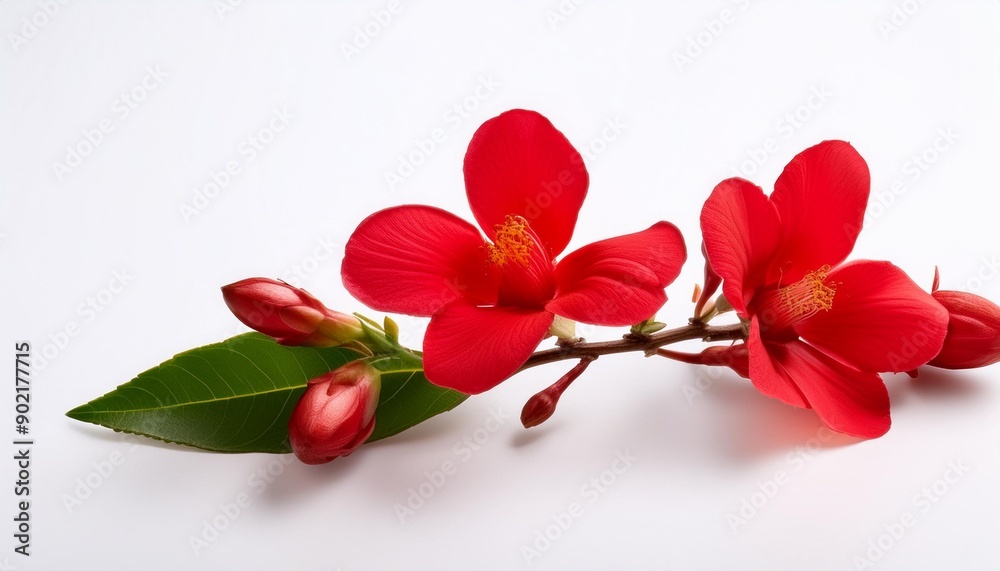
x,y
237,395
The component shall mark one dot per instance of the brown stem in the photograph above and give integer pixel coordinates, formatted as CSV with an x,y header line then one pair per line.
x,y
633,342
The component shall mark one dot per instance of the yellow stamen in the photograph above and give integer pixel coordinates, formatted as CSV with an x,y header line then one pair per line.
x,y
511,243
809,295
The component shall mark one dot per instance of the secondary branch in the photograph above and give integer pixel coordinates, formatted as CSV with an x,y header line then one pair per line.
x,y
647,344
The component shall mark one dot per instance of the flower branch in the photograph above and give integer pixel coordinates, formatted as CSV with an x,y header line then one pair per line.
x,y
632,342
820,328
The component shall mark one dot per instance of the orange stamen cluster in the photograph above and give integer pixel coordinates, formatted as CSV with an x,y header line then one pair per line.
x,y
511,242
808,295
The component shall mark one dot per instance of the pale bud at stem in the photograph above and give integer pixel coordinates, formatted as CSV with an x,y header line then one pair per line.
x,y
563,328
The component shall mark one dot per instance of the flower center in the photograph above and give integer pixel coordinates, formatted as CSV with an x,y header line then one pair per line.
x,y
808,295
781,308
512,243
525,270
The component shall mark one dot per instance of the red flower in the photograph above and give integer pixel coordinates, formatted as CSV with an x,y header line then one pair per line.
x,y
973,330
336,414
819,333
492,301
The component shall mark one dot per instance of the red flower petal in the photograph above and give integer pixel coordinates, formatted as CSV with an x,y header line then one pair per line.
x,y
619,281
415,260
519,164
766,373
821,198
472,349
740,228
846,399
880,320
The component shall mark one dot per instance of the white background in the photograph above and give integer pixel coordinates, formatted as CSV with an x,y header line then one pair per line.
x,y
890,89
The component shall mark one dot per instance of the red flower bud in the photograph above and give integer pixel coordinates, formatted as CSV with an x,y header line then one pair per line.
x,y
336,414
712,283
973,338
540,407
289,314
736,357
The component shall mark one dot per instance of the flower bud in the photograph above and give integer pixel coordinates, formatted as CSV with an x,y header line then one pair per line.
x,y
712,283
336,414
540,407
973,338
289,314
736,357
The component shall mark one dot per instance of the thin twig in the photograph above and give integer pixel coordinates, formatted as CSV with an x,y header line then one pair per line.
x,y
632,342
